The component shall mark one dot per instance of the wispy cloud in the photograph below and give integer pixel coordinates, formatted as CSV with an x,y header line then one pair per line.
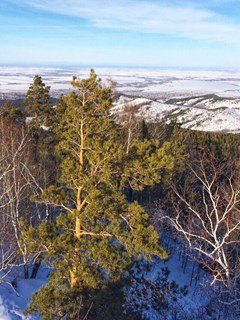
x,y
175,18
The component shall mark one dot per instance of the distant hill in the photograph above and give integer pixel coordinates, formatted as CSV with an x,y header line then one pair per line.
x,y
206,113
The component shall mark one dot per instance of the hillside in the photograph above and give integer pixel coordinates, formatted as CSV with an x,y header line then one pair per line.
x,y
205,113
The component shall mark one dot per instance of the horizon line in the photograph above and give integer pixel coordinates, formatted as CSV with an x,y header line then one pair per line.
x,y
89,65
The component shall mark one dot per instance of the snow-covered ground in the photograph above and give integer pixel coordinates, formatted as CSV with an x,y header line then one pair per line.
x,y
205,113
148,82
14,301
183,270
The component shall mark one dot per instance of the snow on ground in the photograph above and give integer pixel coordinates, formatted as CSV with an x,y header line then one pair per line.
x,y
199,113
185,272
141,81
4,315
223,88
221,121
13,301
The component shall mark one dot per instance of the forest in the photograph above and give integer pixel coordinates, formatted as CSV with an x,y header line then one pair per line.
x,y
96,195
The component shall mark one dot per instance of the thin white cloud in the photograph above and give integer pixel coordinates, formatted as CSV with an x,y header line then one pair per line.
x,y
146,16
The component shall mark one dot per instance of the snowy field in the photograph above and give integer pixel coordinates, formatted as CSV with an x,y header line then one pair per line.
x,y
146,82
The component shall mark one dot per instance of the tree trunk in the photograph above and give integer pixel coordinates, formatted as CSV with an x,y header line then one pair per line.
x,y
36,267
80,203
73,272
26,273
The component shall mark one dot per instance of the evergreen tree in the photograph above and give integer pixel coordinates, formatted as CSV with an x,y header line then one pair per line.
x,y
98,234
12,113
38,104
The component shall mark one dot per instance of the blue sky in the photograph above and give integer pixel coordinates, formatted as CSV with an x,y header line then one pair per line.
x,y
164,33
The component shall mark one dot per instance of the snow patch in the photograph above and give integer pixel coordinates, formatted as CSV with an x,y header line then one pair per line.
x,y
3,312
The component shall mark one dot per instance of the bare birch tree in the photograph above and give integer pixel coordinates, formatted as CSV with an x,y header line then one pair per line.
x,y
207,215
17,184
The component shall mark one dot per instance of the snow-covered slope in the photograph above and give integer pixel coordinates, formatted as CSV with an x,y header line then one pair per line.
x,y
206,113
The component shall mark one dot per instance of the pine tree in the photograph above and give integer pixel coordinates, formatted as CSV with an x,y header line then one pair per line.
x,y
38,104
98,234
12,113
